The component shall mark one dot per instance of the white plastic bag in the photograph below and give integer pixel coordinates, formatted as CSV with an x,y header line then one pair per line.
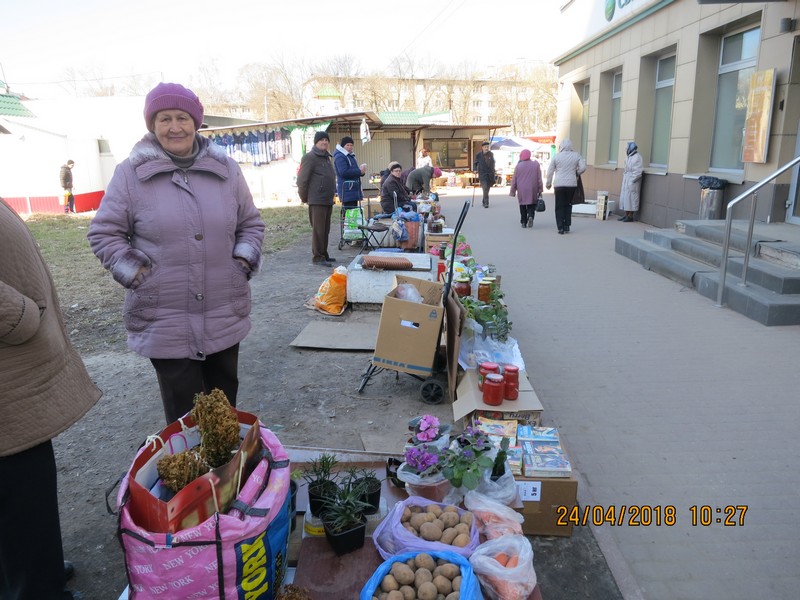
x,y
503,490
494,519
500,582
408,292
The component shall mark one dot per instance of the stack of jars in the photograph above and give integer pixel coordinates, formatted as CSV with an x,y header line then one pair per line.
x,y
496,385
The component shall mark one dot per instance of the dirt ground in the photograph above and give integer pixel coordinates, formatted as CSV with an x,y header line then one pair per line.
x,y
307,397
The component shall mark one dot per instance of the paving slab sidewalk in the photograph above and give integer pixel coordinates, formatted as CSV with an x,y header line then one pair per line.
x,y
666,403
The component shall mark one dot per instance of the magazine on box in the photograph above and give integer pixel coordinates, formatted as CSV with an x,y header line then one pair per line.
x,y
546,465
496,430
532,433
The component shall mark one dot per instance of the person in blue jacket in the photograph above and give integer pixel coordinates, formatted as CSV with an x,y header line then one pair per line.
x,y
348,174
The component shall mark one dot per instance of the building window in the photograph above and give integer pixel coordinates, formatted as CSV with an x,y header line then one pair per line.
x,y
584,88
476,104
662,114
737,64
616,107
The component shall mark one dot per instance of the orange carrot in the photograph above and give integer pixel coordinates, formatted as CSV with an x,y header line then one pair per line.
x,y
502,558
513,561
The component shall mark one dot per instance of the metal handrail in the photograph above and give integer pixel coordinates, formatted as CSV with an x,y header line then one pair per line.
x,y
753,191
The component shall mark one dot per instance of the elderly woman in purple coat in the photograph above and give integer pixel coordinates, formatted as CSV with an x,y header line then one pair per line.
x,y
526,185
177,228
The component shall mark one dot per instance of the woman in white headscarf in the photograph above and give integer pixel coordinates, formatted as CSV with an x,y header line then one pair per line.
x,y
565,166
631,190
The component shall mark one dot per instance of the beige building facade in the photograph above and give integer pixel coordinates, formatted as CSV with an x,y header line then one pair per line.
x,y
703,88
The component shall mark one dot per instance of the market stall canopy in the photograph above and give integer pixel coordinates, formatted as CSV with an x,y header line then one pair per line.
x,y
511,144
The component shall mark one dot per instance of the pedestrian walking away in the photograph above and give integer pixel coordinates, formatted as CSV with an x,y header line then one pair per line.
x,y
485,168
526,185
316,186
46,389
562,173
66,184
631,189
187,306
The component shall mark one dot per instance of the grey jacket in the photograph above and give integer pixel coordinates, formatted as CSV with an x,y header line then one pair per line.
x,y
187,228
565,166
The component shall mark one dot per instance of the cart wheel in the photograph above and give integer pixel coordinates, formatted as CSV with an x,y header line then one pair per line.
x,y
341,244
432,391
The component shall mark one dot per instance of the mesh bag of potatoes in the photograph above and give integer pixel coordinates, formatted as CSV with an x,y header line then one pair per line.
x,y
423,576
422,525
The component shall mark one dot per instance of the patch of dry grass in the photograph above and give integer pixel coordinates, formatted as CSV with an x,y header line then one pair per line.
x,y
92,300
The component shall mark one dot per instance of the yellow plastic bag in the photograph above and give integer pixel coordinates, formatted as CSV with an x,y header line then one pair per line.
x,y
332,295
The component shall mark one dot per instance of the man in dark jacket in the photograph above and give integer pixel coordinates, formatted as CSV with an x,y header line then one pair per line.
x,y
419,180
316,186
66,184
484,167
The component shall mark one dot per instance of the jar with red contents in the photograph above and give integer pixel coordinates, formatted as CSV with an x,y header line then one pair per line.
x,y
511,382
493,387
462,287
484,369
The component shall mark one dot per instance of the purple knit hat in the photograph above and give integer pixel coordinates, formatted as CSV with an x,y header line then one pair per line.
x,y
172,96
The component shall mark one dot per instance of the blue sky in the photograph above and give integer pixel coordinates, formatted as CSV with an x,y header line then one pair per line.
x,y
41,39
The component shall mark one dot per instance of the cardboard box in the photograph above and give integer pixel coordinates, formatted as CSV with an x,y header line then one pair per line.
x,y
541,499
526,409
409,332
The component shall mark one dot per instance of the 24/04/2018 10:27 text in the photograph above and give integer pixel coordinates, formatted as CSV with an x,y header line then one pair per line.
x,y
646,515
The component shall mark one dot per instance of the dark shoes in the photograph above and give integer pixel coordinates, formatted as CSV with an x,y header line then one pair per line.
x,y
561,232
622,218
530,222
626,220
485,205
323,263
566,229
524,225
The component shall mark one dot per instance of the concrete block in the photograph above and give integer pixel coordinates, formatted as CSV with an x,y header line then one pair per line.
x,y
367,286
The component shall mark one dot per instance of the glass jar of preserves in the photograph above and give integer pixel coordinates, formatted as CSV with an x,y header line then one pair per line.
x,y
493,388
511,382
484,369
462,287
485,291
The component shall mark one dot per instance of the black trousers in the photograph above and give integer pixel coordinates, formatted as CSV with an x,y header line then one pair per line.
x,y
31,556
526,211
319,215
564,206
181,378
486,186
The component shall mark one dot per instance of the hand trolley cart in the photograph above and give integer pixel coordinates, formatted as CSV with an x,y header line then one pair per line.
x,y
432,390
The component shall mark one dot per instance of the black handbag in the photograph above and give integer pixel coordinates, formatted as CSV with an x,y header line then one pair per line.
x,y
540,205
580,196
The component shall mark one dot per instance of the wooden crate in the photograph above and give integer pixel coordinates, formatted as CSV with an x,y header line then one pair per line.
x,y
434,239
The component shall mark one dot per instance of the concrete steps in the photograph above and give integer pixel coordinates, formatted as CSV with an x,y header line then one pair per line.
x,y
692,254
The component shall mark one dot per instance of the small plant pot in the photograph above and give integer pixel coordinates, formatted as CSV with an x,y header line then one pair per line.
x,y
318,492
371,496
434,491
346,541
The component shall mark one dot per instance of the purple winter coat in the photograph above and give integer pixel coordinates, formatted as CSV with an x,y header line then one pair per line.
x,y
187,227
526,183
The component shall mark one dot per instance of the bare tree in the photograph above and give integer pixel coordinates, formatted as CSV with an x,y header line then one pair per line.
x,y
525,98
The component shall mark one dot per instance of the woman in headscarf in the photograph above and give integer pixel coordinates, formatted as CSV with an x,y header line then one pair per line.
x,y
178,229
393,193
565,166
631,189
526,185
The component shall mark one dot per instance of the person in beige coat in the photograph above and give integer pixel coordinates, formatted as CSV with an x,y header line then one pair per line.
x,y
45,389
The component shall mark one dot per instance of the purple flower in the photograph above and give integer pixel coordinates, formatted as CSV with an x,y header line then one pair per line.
x,y
428,428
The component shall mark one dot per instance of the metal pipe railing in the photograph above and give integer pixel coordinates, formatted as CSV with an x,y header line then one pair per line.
x,y
753,191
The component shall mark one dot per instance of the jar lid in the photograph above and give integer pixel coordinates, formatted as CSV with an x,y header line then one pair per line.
x,y
511,368
491,366
462,279
489,279
495,377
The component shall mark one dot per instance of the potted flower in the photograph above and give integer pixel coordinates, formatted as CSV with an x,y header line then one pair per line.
x,y
295,475
428,430
321,480
467,458
422,472
343,519
369,485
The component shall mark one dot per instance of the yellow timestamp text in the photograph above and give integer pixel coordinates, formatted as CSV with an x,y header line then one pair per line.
x,y
647,515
